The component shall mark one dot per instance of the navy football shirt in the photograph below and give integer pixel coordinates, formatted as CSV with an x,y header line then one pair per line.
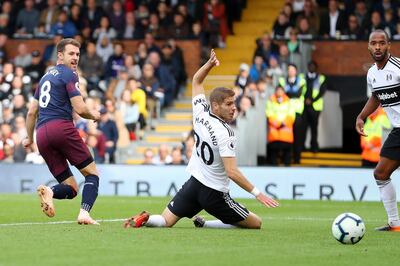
x,y
55,89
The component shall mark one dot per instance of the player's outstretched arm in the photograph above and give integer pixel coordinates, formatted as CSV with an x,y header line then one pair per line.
x,y
371,105
31,122
201,74
81,109
234,173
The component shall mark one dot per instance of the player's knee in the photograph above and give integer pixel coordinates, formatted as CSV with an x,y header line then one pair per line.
x,y
74,191
92,179
380,174
257,223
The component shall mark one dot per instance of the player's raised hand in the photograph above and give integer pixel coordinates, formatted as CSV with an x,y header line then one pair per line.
x,y
213,59
360,127
267,201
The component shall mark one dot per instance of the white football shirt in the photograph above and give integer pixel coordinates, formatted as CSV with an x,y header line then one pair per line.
x,y
385,85
214,139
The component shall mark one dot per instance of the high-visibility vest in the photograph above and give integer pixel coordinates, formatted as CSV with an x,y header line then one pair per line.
x,y
318,105
373,127
298,102
280,119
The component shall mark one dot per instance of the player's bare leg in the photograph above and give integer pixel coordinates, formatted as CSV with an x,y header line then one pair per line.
x,y
382,174
251,222
46,200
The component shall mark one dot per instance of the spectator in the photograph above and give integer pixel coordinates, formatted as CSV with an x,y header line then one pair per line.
x,y
376,23
243,78
151,44
9,18
163,156
154,27
63,26
257,68
142,15
8,151
50,52
19,106
293,86
353,30
138,96
5,25
304,30
288,11
23,58
117,17
154,94
77,18
94,14
133,69
130,113
197,33
49,15
174,63
104,47
96,142
265,47
131,30
332,22
115,62
215,23
7,116
310,12
141,54
148,156
281,27
33,156
91,65
280,115
109,129
164,76
176,157
105,29
36,69
372,143
274,70
180,28
361,13
163,13
27,19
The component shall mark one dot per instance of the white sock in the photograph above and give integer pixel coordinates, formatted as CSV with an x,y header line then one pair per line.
x,y
156,220
388,197
218,224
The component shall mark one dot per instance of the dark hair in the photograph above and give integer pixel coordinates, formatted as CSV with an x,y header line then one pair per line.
x,y
380,31
64,42
219,94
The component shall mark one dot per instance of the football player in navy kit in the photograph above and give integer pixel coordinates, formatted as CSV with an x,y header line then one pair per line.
x,y
56,97
383,80
211,166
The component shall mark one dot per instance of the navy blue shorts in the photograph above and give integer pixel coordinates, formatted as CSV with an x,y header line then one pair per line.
x,y
194,197
59,141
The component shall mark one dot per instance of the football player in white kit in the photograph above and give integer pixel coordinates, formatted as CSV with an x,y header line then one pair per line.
x,y
211,167
383,80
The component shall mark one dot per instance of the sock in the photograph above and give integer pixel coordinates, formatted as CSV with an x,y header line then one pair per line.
x,y
90,191
62,191
388,197
156,221
218,224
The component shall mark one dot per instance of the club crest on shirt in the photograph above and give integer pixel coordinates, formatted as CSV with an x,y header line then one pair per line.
x,y
231,145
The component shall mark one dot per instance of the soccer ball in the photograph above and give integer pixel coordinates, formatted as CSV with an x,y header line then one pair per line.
x,y
348,228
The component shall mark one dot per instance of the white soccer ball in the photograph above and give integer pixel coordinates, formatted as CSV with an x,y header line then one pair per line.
x,y
348,228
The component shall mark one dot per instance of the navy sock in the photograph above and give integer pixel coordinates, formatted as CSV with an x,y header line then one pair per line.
x,y
62,191
90,191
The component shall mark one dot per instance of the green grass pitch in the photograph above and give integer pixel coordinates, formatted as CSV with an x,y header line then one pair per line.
x,y
297,233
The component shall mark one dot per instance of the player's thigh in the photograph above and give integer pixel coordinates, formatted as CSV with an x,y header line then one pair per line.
x,y
252,221
390,156
75,150
54,159
222,206
170,218
184,203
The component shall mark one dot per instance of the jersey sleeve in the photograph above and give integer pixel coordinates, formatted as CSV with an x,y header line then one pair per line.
x,y
71,83
227,146
369,86
36,95
200,105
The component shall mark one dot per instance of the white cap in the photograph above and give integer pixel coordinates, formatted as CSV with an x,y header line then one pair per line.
x,y
244,66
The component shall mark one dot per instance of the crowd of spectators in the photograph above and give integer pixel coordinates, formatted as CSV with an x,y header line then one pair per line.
x,y
337,19
130,90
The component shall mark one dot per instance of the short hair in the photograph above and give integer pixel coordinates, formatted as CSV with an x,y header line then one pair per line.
x,y
219,94
380,31
64,42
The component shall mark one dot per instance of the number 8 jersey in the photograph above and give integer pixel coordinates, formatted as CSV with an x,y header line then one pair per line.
x,y
214,139
56,87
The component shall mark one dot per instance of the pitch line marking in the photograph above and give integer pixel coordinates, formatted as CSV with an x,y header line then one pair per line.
x,y
288,218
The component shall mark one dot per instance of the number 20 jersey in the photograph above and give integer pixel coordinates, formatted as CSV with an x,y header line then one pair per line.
x,y
385,85
214,139
55,89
